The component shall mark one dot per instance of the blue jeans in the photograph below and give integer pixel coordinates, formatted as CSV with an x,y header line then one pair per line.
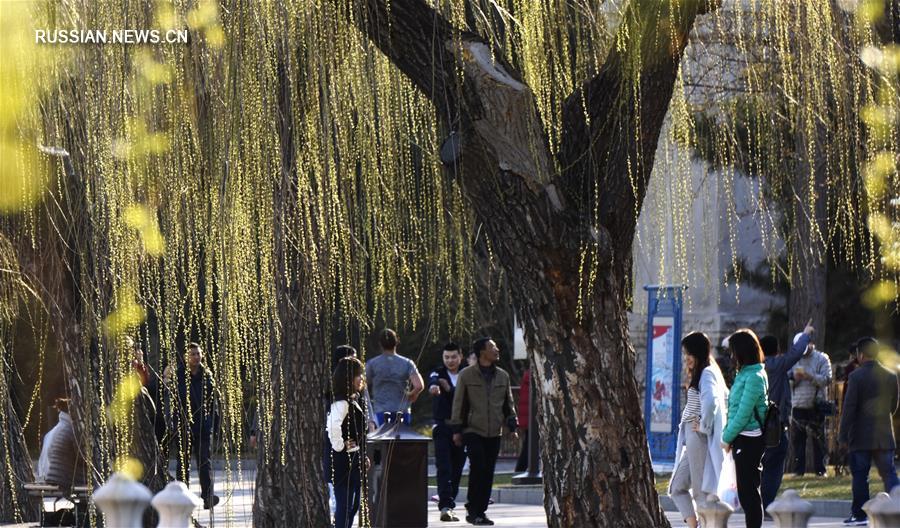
x,y
449,460
347,487
860,464
773,470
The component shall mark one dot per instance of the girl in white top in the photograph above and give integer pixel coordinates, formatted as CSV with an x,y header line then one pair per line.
x,y
698,453
347,435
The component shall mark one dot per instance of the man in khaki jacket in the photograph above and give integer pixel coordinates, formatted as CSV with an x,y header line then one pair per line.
x,y
482,405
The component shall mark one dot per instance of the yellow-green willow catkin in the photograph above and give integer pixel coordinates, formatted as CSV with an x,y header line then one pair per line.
x,y
382,233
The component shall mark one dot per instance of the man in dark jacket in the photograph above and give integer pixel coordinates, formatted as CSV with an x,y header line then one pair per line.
x,y
866,425
482,405
195,418
448,457
777,366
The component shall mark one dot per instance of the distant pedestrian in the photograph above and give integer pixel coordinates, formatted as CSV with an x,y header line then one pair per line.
x,y
394,380
340,352
811,376
195,420
347,426
698,452
866,425
449,458
747,409
777,366
482,406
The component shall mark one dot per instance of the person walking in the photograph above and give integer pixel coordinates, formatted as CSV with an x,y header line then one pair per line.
x,y
811,376
747,409
195,420
698,452
777,367
389,375
482,405
866,426
347,426
448,457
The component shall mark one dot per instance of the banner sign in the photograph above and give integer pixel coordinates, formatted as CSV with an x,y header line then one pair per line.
x,y
662,399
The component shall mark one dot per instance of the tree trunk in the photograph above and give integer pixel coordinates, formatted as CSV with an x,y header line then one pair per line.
x,y
809,263
15,504
62,272
290,485
146,449
15,462
567,257
808,244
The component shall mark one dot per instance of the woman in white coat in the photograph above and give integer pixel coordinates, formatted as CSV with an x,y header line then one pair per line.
x,y
698,452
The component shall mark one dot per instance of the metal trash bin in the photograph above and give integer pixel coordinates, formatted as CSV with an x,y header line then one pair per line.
x,y
401,494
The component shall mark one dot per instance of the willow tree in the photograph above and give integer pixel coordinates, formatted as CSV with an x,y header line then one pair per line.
x,y
295,171
16,506
561,225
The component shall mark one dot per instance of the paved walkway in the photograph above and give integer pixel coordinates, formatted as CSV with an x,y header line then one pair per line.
x,y
236,509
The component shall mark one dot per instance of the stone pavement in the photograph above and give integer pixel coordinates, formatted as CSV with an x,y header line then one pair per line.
x,y
236,509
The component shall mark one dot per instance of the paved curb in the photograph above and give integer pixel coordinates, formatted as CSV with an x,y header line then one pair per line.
x,y
525,495
821,508
534,496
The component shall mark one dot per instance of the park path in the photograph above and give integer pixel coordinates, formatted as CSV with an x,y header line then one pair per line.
x,y
236,509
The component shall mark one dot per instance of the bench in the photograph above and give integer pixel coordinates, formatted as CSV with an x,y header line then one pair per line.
x,y
77,495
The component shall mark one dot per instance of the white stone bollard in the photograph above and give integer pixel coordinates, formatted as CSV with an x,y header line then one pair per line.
x,y
714,513
122,501
790,511
175,504
884,509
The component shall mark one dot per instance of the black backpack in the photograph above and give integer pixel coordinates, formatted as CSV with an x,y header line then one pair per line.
x,y
771,426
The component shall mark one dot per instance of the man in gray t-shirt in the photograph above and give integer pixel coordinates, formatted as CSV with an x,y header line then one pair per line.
x,y
387,376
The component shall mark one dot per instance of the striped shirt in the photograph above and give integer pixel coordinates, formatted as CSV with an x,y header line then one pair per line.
x,y
692,407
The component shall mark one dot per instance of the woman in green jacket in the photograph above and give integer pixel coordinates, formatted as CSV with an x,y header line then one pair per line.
x,y
747,405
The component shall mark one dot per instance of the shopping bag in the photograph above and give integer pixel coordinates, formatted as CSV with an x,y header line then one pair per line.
x,y
727,490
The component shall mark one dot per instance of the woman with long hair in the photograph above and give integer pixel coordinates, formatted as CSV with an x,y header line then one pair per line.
x,y
698,452
747,408
347,435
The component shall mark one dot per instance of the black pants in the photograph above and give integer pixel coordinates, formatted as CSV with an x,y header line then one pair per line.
x,y
808,422
449,460
196,445
482,453
747,452
347,486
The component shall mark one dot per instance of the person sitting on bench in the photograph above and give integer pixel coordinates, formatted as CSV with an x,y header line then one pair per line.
x,y
61,462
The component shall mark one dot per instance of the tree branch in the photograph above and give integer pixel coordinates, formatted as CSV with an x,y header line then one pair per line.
x,y
611,124
413,36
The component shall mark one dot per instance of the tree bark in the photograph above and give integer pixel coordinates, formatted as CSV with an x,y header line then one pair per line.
x,y
597,469
16,506
290,484
64,275
146,449
809,262
808,243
